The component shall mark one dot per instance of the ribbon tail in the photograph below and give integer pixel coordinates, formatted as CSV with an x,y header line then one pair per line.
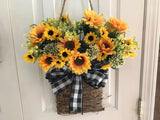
x,y
105,79
76,97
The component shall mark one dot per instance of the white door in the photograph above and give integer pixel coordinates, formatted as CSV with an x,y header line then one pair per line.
x,y
26,95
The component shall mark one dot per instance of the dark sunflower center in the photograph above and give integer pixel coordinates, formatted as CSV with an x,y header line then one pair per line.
x,y
40,35
57,35
48,60
102,33
58,62
90,38
30,56
102,54
106,46
50,32
63,19
89,19
79,61
70,45
65,54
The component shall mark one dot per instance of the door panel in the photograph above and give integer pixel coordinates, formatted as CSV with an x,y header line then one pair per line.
x,y
10,101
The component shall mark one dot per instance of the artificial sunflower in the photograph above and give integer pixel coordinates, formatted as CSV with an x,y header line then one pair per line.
x,y
58,35
102,55
90,38
93,19
103,32
50,33
46,61
106,45
132,54
130,42
69,44
65,54
59,63
118,24
29,58
79,63
105,67
37,33
88,17
65,19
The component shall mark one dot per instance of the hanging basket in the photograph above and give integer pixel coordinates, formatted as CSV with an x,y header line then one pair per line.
x,y
92,100
76,57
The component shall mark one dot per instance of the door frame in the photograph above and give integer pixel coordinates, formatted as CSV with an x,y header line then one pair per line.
x,y
149,61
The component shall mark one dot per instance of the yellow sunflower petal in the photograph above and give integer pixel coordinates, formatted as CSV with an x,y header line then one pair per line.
x,y
65,54
29,58
132,54
50,33
106,45
103,32
105,67
130,42
118,24
90,38
59,63
37,33
69,44
79,63
93,19
102,56
58,35
46,61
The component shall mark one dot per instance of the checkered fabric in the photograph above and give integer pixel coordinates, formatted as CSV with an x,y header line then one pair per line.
x,y
76,95
60,79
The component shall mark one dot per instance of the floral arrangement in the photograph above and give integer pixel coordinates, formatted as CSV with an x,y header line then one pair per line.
x,y
71,52
79,45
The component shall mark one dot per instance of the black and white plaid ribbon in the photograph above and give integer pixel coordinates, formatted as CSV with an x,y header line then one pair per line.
x,y
60,79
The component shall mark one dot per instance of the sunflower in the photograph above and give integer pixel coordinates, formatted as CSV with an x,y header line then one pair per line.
x,y
69,44
50,33
105,67
102,55
106,45
103,32
90,38
29,58
58,35
65,54
89,17
37,33
92,18
79,63
46,61
130,42
59,63
132,54
65,18
118,24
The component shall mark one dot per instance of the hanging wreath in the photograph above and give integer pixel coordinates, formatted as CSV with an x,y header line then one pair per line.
x,y
70,52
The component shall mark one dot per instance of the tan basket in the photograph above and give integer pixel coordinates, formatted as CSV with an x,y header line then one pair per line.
x,y
92,100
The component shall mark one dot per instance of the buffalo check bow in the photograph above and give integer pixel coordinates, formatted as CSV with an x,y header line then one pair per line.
x,y
60,79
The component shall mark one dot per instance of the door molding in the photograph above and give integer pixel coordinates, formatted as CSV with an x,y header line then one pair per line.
x,y
149,62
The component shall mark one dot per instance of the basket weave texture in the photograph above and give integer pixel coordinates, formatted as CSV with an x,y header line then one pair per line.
x,y
92,100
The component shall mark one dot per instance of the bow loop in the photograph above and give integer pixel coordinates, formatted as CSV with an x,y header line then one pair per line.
x,y
96,78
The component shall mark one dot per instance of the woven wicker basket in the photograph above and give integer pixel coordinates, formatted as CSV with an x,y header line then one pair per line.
x,y
92,100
